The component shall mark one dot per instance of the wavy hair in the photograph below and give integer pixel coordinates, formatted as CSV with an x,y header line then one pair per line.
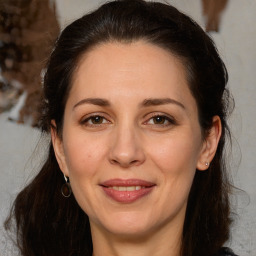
x,y
49,224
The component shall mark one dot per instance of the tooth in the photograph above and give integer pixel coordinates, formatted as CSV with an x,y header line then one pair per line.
x,y
130,188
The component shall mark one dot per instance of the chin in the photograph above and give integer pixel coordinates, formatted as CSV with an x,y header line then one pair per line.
x,y
127,224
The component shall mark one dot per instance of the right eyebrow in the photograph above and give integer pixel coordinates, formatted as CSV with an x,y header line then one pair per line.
x,y
93,101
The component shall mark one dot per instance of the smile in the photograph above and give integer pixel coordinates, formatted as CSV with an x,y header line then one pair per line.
x,y
127,191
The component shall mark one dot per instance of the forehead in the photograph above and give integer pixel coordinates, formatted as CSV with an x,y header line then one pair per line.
x,y
129,69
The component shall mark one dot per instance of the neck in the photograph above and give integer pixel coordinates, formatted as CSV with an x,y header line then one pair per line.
x,y
162,243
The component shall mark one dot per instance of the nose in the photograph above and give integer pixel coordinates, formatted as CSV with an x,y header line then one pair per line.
x,y
126,148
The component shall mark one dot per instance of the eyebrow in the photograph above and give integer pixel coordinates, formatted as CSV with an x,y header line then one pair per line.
x,y
93,101
161,101
146,103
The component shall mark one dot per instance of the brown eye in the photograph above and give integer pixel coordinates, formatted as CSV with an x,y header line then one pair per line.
x,y
159,120
94,121
97,120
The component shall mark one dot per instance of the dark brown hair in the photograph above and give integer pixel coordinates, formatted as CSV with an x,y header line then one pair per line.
x,y
49,224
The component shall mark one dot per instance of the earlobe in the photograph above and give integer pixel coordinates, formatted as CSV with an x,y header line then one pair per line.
x,y
58,148
210,145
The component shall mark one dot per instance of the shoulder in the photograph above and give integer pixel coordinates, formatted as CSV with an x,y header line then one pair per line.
x,y
225,251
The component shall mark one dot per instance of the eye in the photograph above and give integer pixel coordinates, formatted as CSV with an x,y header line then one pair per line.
x,y
160,120
94,120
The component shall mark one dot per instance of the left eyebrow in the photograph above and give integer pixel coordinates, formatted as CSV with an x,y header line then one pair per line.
x,y
161,101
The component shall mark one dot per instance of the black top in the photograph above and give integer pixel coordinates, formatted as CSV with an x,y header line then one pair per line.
x,y
225,251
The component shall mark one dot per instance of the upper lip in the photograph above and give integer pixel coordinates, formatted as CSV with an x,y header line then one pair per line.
x,y
127,183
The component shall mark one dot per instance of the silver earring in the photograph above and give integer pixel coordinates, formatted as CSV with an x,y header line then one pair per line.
x,y
66,188
206,163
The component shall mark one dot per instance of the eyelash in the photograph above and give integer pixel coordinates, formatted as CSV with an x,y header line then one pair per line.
x,y
88,121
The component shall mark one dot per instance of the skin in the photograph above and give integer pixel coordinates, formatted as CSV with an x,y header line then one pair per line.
x,y
132,138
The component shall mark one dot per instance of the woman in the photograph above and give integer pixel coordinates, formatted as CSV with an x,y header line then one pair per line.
x,y
136,104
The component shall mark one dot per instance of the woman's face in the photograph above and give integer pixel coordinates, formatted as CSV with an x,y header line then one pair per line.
x,y
131,139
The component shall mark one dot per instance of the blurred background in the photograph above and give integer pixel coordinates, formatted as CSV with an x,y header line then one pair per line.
x,y
28,29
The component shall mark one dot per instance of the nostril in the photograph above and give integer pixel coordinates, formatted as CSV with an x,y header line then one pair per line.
x,y
113,161
133,162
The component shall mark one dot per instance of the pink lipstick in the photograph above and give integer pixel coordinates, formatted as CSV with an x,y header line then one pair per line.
x,y
127,191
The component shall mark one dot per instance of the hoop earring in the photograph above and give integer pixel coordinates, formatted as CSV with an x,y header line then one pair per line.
x,y
66,188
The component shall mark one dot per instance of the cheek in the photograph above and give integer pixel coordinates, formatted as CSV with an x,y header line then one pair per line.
x,y
175,154
175,159
84,158
83,155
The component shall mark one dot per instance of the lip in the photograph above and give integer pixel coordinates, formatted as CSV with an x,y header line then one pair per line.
x,y
127,196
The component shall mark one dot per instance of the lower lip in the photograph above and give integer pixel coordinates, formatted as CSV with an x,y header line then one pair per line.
x,y
127,196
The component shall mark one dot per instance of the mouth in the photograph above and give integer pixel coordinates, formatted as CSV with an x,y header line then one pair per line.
x,y
127,191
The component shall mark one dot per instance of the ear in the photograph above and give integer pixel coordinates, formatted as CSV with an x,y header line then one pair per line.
x,y
58,149
210,144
